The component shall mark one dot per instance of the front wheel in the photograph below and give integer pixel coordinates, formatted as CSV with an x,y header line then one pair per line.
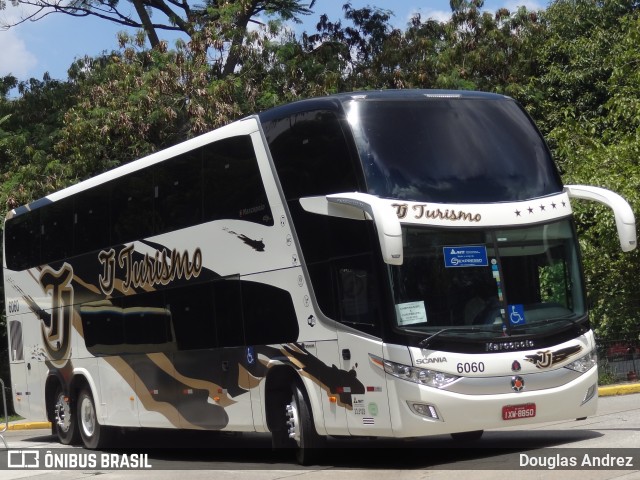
x,y
301,429
93,434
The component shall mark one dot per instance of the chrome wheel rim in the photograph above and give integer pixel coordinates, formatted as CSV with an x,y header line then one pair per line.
x,y
63,413
293,420
88,417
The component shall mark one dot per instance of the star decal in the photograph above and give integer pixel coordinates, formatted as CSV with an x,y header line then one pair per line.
x,y
543,207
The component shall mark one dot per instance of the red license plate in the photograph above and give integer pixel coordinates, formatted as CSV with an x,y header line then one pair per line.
x,y
517,412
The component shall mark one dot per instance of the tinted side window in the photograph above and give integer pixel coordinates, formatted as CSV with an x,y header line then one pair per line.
x,y
312,155
228,312
344,267
219,180
178,192
233,186
91,219
193,316
132,207
146,320
22,237
269,315
56,225
103,328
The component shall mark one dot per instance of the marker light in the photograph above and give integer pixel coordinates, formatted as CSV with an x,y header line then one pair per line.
x,y
422,376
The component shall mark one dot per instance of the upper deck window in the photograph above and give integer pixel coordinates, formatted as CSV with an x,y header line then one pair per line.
x,y
451,150
311,153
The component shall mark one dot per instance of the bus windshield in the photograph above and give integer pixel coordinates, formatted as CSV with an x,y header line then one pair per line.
x,y
451,150
483,280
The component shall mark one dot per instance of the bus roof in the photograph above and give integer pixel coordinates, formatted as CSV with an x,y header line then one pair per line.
x,y
337,99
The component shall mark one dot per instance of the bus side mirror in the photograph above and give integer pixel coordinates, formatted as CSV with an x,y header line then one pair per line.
x,y
362,206
625,219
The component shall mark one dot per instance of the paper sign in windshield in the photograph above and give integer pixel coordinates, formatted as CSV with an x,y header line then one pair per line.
x,y
465,256
411,313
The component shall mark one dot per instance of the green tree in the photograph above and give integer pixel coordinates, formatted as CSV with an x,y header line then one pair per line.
x,y
29,167
226,22
605,150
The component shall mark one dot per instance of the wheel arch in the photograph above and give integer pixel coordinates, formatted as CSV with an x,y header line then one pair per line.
x,y
277,393
79,380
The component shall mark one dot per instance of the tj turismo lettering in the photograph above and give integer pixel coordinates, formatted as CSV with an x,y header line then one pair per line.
x,y
147,271
421,211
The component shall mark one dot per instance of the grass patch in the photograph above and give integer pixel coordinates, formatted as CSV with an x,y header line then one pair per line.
x,y
12,418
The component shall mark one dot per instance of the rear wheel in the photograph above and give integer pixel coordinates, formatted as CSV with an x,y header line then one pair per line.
x,y
93,434
301,430
65,423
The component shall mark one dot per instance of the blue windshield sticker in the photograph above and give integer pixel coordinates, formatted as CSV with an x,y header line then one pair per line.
x,y
465,256
516,314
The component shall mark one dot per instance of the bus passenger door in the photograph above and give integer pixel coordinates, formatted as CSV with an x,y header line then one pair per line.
x,y
359,304
18,367
26,356
368,413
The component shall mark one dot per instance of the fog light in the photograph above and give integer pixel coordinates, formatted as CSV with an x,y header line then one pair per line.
x,y
425,410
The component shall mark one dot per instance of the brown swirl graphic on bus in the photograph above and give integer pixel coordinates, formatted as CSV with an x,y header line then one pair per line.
x,y
188,392
56,326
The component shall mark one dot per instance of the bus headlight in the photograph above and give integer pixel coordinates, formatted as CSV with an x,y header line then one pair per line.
x,y
422,376
584,363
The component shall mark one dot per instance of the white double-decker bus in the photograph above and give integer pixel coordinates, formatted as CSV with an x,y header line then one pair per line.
x,y
388,264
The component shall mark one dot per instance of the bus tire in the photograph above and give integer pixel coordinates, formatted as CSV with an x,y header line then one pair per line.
x,y
65,422
93,434
300,428
467,436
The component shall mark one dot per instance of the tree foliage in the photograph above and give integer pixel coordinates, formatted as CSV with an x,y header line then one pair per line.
x,y
225,23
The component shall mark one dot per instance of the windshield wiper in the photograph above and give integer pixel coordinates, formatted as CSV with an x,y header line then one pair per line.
x,y
573,321
425,343
566,318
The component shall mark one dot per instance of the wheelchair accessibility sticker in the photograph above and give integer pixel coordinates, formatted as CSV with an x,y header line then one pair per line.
x,y
516,314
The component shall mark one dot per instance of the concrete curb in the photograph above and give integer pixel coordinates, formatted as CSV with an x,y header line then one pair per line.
x,y
602,392
622,389
28,425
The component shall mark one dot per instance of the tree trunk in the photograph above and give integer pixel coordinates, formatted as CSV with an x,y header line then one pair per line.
x,y
146,23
